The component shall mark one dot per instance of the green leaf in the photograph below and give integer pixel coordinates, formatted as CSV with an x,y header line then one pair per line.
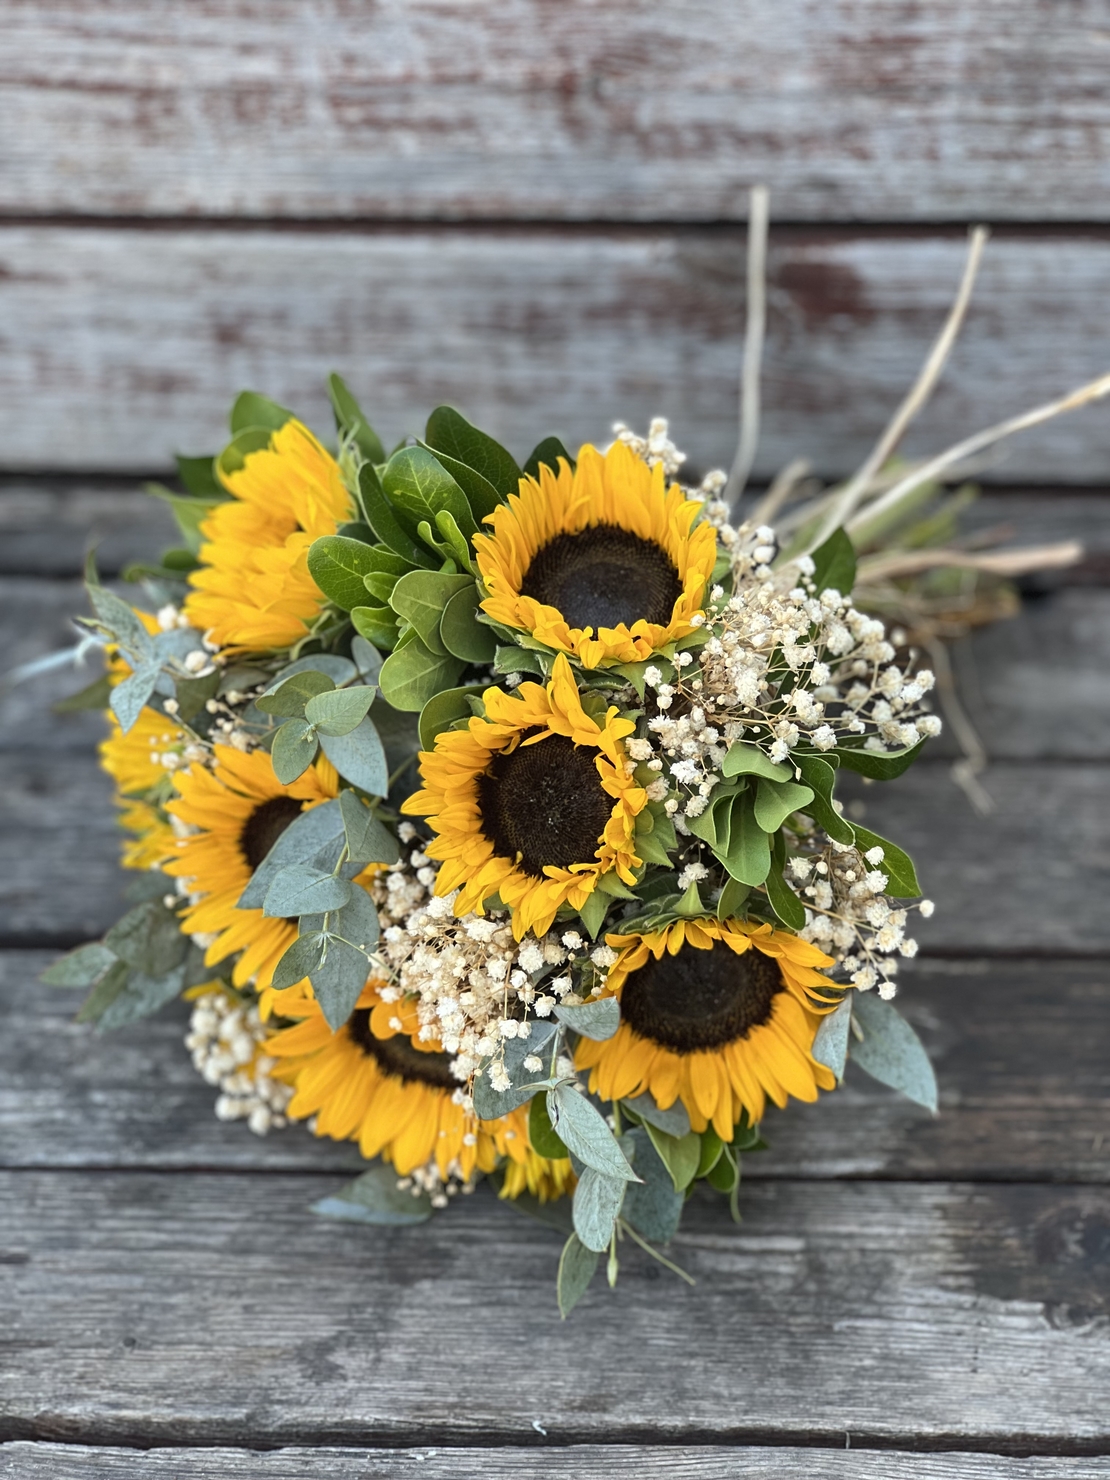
x,y
652,1206
890,1051
442,710
593,912
115,614
129,698
420,597
252,410
384,522
189,513
595,1020
192,694
288,696
549,451
299,961
414,674
367,659
356,923
491,1104
93,696
830,1043
732,898
821,777
749,848
679,1154
300,889
447,431
339,711
376,625
293,751
374,1197
148,939
339,566
233,458
141,995
301,841
878,765
596,1208
460,631
368,839
576,1269
584,1132
711,1148
350,420
338,980
725,1174
454,545
674,1120
744,759
418,486
481,495
359,757
331,665
199,476
897,864
776,800
785,903
541,1136
104,993
835,564
80,968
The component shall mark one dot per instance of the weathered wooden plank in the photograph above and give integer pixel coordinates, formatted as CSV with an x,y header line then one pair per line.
x,y
29,1461
123,345
147,1309
577,111
1018,1048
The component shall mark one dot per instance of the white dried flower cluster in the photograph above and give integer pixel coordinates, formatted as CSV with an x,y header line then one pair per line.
x,y
224,1039
475,987
848,915
439,1187
657,447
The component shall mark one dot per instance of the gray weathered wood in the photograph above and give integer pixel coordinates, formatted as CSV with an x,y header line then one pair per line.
x,y
576,111
122,346
1018,1046
156,1308
29,1461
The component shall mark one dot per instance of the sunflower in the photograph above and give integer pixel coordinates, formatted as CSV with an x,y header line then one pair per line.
x,y
532,803
239,809
605,562
253,591
134,762
722,1025
376,1082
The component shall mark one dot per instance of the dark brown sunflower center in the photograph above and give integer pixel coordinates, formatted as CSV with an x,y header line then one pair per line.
x,y
604,576
264,826
700,999
544,804
398,1056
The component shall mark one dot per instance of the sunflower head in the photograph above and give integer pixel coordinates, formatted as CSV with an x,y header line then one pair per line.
x,y
604,562
719,1015
532,803
253,591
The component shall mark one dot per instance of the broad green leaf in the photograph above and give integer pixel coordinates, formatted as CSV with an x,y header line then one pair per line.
x,y
897,864
593,912
577,1265
80,968
584,1132
293,751
233,459
192,694
301,841
418,486
711,1149
104,993
357,529
338,980
351,420
376,625
878,765
148,939
368,839
441,712
356,923
414,674
129,698
490,1104
359,757
339,711
199,476
141,995
749,848
596,1020
744,759
299,961
448,431
776,800
367,659
420,597
374,1197
541,1137
481,495
93,696
288,697
460,631
732,898
300,889
890,1051
785,903
331,665
679,1154
383,520
189,513
674,1120
252,410
652,1206
549,451
821,777
339,567
596,1207
122,622
830,1043
724,1176
835,564
455,545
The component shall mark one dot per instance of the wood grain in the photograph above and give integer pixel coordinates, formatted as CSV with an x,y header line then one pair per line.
x,y
573,111
121,346
154,1308
1018,1046
28,1461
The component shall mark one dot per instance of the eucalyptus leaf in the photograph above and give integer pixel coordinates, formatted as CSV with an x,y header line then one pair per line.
x,y
577,1266
367,659
359,757
338,980
80,968
294,750
339,711
460,631
192,694
300,842
339,566
596,1207
121,621
595,1020
490,1104
374,1197
129,698
414,674
141,995
652,1206
289,696
584,1132
301,890
448,431
148,938
93,696
104,993
339,670
356,923
299,961
674,1121
830,1043
890,1051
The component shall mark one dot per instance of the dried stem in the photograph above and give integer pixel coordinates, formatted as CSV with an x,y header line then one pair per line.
x,y
993,562
965,772
780,490
758,216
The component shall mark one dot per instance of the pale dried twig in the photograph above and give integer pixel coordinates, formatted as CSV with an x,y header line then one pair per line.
x,y
780,490
758,217
1017,562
